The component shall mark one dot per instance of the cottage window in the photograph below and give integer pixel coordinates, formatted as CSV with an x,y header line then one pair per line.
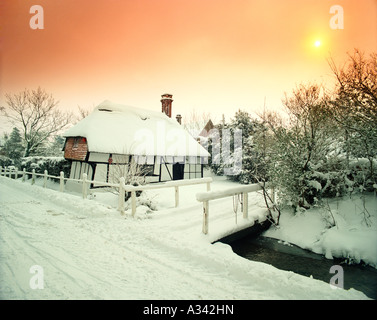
x,y
193,171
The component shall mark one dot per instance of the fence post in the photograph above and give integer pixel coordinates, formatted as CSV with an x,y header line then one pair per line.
x,y
208,186
61,185
10,174
1,171
121,195
205,216
176,196
133,202
16,173
245,202
45,178
23,174
33,176
84,188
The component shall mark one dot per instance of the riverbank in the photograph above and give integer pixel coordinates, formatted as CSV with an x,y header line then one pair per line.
x,y
345,228
285,256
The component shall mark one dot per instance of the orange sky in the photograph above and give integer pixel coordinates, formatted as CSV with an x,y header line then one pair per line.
x,y
212,55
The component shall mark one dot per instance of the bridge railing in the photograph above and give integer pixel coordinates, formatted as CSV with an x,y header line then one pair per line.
x,y
206,197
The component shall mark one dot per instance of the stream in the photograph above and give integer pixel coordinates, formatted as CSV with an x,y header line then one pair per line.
x,y
289,257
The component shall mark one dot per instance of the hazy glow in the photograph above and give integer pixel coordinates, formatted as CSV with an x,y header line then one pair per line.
x,y
214,56
317,43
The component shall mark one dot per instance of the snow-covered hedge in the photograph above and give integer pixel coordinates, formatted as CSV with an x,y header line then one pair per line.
x,y
363,173
5,161
52,164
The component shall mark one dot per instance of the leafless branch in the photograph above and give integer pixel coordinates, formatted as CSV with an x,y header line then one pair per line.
x,y
35,112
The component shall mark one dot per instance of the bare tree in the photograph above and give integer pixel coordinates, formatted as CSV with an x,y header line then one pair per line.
x,y
355,106
133,173
309,119
35,113
356,101
195,122
83,113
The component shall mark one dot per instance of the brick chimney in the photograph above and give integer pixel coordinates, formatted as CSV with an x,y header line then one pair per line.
x,y
166,100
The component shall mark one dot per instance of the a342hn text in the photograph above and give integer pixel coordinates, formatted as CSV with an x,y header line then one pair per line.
x,y
194,309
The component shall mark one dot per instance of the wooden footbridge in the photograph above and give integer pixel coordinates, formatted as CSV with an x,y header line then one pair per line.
x,y
241,192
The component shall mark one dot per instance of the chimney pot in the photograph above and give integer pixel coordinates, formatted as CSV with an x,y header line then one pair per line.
x,y
179,118
166,100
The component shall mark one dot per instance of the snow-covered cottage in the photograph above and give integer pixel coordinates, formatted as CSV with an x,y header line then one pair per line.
x,y
116,136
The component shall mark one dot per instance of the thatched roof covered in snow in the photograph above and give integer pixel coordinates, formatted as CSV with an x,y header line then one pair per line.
x,y
121,129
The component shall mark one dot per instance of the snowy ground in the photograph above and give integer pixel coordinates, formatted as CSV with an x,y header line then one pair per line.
x,y
89,251
344,228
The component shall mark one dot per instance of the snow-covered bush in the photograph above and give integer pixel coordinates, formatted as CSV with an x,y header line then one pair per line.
x,y
302,158
5,161
53,165
362,174
331,174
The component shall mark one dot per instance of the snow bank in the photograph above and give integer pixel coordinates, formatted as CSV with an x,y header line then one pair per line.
x,y
346,229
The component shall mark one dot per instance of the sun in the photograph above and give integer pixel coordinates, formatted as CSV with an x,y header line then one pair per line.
x,y
317,43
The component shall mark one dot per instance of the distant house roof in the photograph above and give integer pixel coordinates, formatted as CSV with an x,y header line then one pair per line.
x,y
121,129
205,132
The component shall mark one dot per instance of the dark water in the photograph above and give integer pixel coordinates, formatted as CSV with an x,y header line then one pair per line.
x,y
293,258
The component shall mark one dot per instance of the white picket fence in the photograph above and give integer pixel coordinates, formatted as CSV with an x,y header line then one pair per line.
x,y
121,186
205,197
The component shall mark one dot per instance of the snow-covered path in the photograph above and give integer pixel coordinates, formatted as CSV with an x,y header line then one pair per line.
x,y
86,260
89,251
